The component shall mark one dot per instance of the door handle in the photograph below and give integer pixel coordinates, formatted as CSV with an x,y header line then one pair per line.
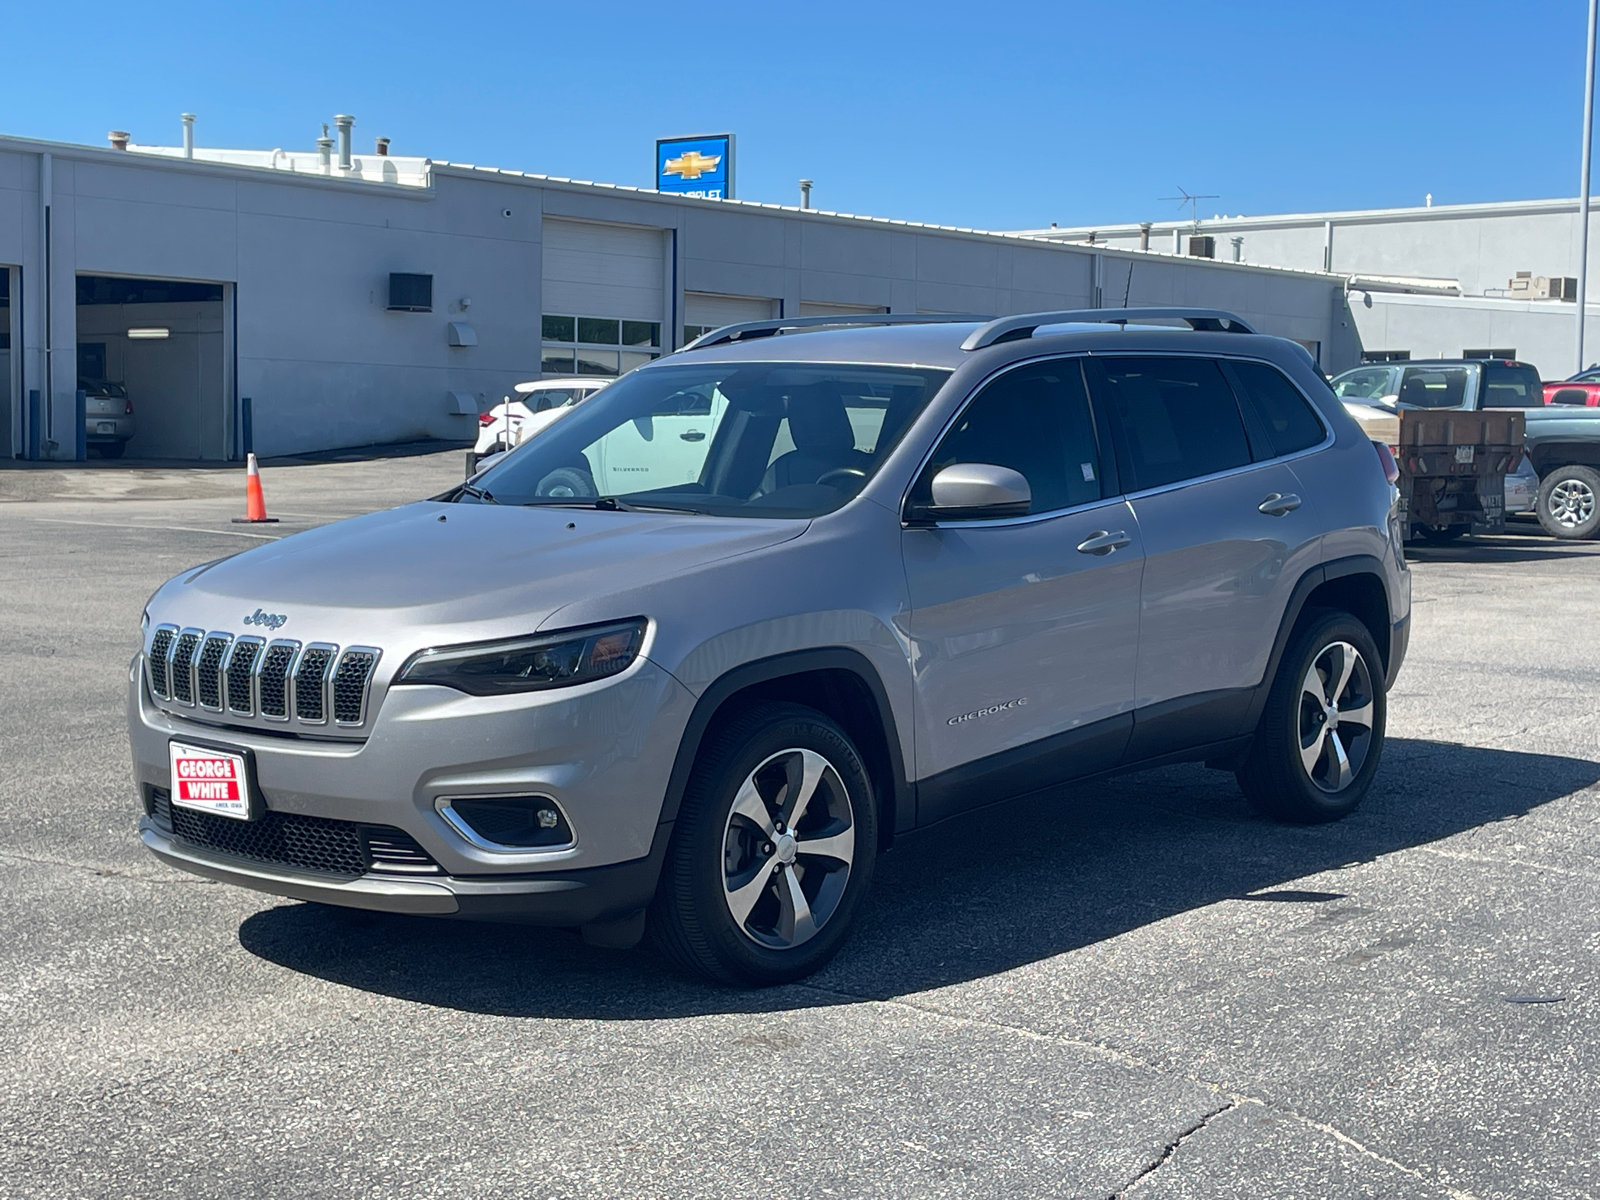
x,y
1103,543
1279,504
693,435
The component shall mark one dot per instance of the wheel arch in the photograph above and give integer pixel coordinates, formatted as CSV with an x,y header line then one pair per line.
x,y
1354,585
1552,456
838,682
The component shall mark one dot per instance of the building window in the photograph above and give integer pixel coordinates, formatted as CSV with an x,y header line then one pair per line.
x,y
604,346
410,293
1385,355
1511,353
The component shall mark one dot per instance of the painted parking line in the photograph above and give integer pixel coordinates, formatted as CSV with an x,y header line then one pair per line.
x,y
270,537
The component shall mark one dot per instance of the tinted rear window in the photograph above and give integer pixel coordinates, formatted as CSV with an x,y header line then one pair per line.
x,y
1290,423
1179,418
1511,387
1433,387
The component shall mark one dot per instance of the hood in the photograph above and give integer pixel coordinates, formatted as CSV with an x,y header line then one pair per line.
x,y
434,564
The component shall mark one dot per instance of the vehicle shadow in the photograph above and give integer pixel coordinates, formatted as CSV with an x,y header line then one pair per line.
x,y
1001,888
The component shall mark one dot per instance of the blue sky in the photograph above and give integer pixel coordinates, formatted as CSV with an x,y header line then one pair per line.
x,y
998,116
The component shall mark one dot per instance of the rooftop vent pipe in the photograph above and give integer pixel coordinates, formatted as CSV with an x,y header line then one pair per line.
x,y
325,149
805,193
188,134
119,139
383,147
344,122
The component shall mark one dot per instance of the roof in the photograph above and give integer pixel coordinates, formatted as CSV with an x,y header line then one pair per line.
x,y
1358,216
259,162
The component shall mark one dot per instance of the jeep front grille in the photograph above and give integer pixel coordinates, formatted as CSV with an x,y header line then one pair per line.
x,y
251,677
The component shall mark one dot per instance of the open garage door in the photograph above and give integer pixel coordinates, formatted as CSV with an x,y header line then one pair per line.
x,y
152,359
604,291
705,311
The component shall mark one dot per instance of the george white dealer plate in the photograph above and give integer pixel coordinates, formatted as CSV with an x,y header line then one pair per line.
x,y
212,781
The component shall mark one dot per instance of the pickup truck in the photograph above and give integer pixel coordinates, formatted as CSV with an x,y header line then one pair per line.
x,y
1562,440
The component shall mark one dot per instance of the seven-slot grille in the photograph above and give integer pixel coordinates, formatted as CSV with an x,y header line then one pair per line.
x,y
251,677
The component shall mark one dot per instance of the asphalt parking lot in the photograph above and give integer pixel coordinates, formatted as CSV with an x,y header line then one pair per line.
x,y
1134,988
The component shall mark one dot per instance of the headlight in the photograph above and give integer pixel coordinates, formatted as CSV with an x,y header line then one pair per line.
x,y
528,664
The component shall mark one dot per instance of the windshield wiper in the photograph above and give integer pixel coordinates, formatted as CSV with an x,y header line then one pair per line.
x,y
604,504
477,493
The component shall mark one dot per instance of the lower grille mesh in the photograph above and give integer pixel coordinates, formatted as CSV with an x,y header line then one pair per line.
x,y
317,844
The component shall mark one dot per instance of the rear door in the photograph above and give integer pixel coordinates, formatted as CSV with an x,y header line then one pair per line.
x,y
1227,531
1023,631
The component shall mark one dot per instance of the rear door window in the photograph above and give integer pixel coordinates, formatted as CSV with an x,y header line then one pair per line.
x,y
1290,423
1433,387
1511,385
1178,417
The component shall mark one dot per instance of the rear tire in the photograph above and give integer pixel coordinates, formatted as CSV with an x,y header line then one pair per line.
x,y
111,449
1438,535
750,894
1321,734
1569,503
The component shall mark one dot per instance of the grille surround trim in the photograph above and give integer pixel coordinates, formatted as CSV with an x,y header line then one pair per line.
x,y
218,681
257,646
337,671
188,664
293,647
321,684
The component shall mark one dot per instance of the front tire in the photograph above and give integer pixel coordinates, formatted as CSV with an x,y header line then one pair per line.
x,y
1569,503
772,850
1321,734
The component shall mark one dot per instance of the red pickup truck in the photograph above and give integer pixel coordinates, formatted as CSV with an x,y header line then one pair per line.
x,y
1583,388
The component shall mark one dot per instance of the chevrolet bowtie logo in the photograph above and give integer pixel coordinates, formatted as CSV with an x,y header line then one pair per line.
x,y
691,165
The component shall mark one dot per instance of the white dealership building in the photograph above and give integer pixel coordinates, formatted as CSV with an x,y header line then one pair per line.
x,y
299,301
1435,281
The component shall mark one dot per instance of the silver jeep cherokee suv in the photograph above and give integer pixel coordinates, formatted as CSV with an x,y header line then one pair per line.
x,y
689,661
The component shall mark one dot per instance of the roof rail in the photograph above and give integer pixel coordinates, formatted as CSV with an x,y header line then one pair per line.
x,y
758,329
1012,329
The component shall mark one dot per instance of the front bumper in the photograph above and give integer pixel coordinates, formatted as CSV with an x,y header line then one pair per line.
x,y
602,752
566,898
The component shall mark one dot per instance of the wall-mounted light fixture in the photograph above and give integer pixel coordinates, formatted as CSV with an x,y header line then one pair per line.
x,y
149,333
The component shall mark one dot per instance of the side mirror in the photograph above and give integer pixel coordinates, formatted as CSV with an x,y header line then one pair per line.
x,y
973,492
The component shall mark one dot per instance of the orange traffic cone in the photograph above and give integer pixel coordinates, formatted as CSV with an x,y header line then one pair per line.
x,y
255,504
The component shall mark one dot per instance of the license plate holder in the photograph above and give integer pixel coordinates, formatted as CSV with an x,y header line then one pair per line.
x,y
106,427
213,779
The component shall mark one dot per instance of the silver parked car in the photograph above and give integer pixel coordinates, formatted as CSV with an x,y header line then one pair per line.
x,y
691,660
107,417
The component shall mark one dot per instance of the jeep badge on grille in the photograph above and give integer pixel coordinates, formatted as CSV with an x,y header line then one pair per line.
x,y
266,620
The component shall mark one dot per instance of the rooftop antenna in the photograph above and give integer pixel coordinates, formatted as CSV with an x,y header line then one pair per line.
x,y
1193,201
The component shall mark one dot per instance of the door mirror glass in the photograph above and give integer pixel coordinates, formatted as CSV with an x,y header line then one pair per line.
x,y
975,491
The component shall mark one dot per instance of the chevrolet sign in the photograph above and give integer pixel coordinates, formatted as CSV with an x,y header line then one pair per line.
x,y
696,166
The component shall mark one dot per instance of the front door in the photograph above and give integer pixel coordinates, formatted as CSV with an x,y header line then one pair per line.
x,y
1023,645
1228,530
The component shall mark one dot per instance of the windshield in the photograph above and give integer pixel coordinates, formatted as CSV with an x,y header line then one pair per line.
x,y
732,439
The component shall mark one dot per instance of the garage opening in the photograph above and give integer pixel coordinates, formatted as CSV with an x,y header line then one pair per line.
x,y
8,418
152,362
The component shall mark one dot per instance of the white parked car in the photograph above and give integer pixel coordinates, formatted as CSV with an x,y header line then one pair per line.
x,y
537,405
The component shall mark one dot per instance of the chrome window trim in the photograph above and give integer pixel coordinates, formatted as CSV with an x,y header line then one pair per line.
x,y
366,687
322,683
248,639
222,679
443,806
288,680
190,667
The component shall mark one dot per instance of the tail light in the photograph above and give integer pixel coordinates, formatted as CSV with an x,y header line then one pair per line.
x,y
127,407
1391,469
487,418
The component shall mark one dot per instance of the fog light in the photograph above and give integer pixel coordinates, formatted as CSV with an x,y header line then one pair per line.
x,y
508,823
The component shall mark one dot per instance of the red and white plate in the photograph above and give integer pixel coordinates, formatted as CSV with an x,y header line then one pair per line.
x,y
212,781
